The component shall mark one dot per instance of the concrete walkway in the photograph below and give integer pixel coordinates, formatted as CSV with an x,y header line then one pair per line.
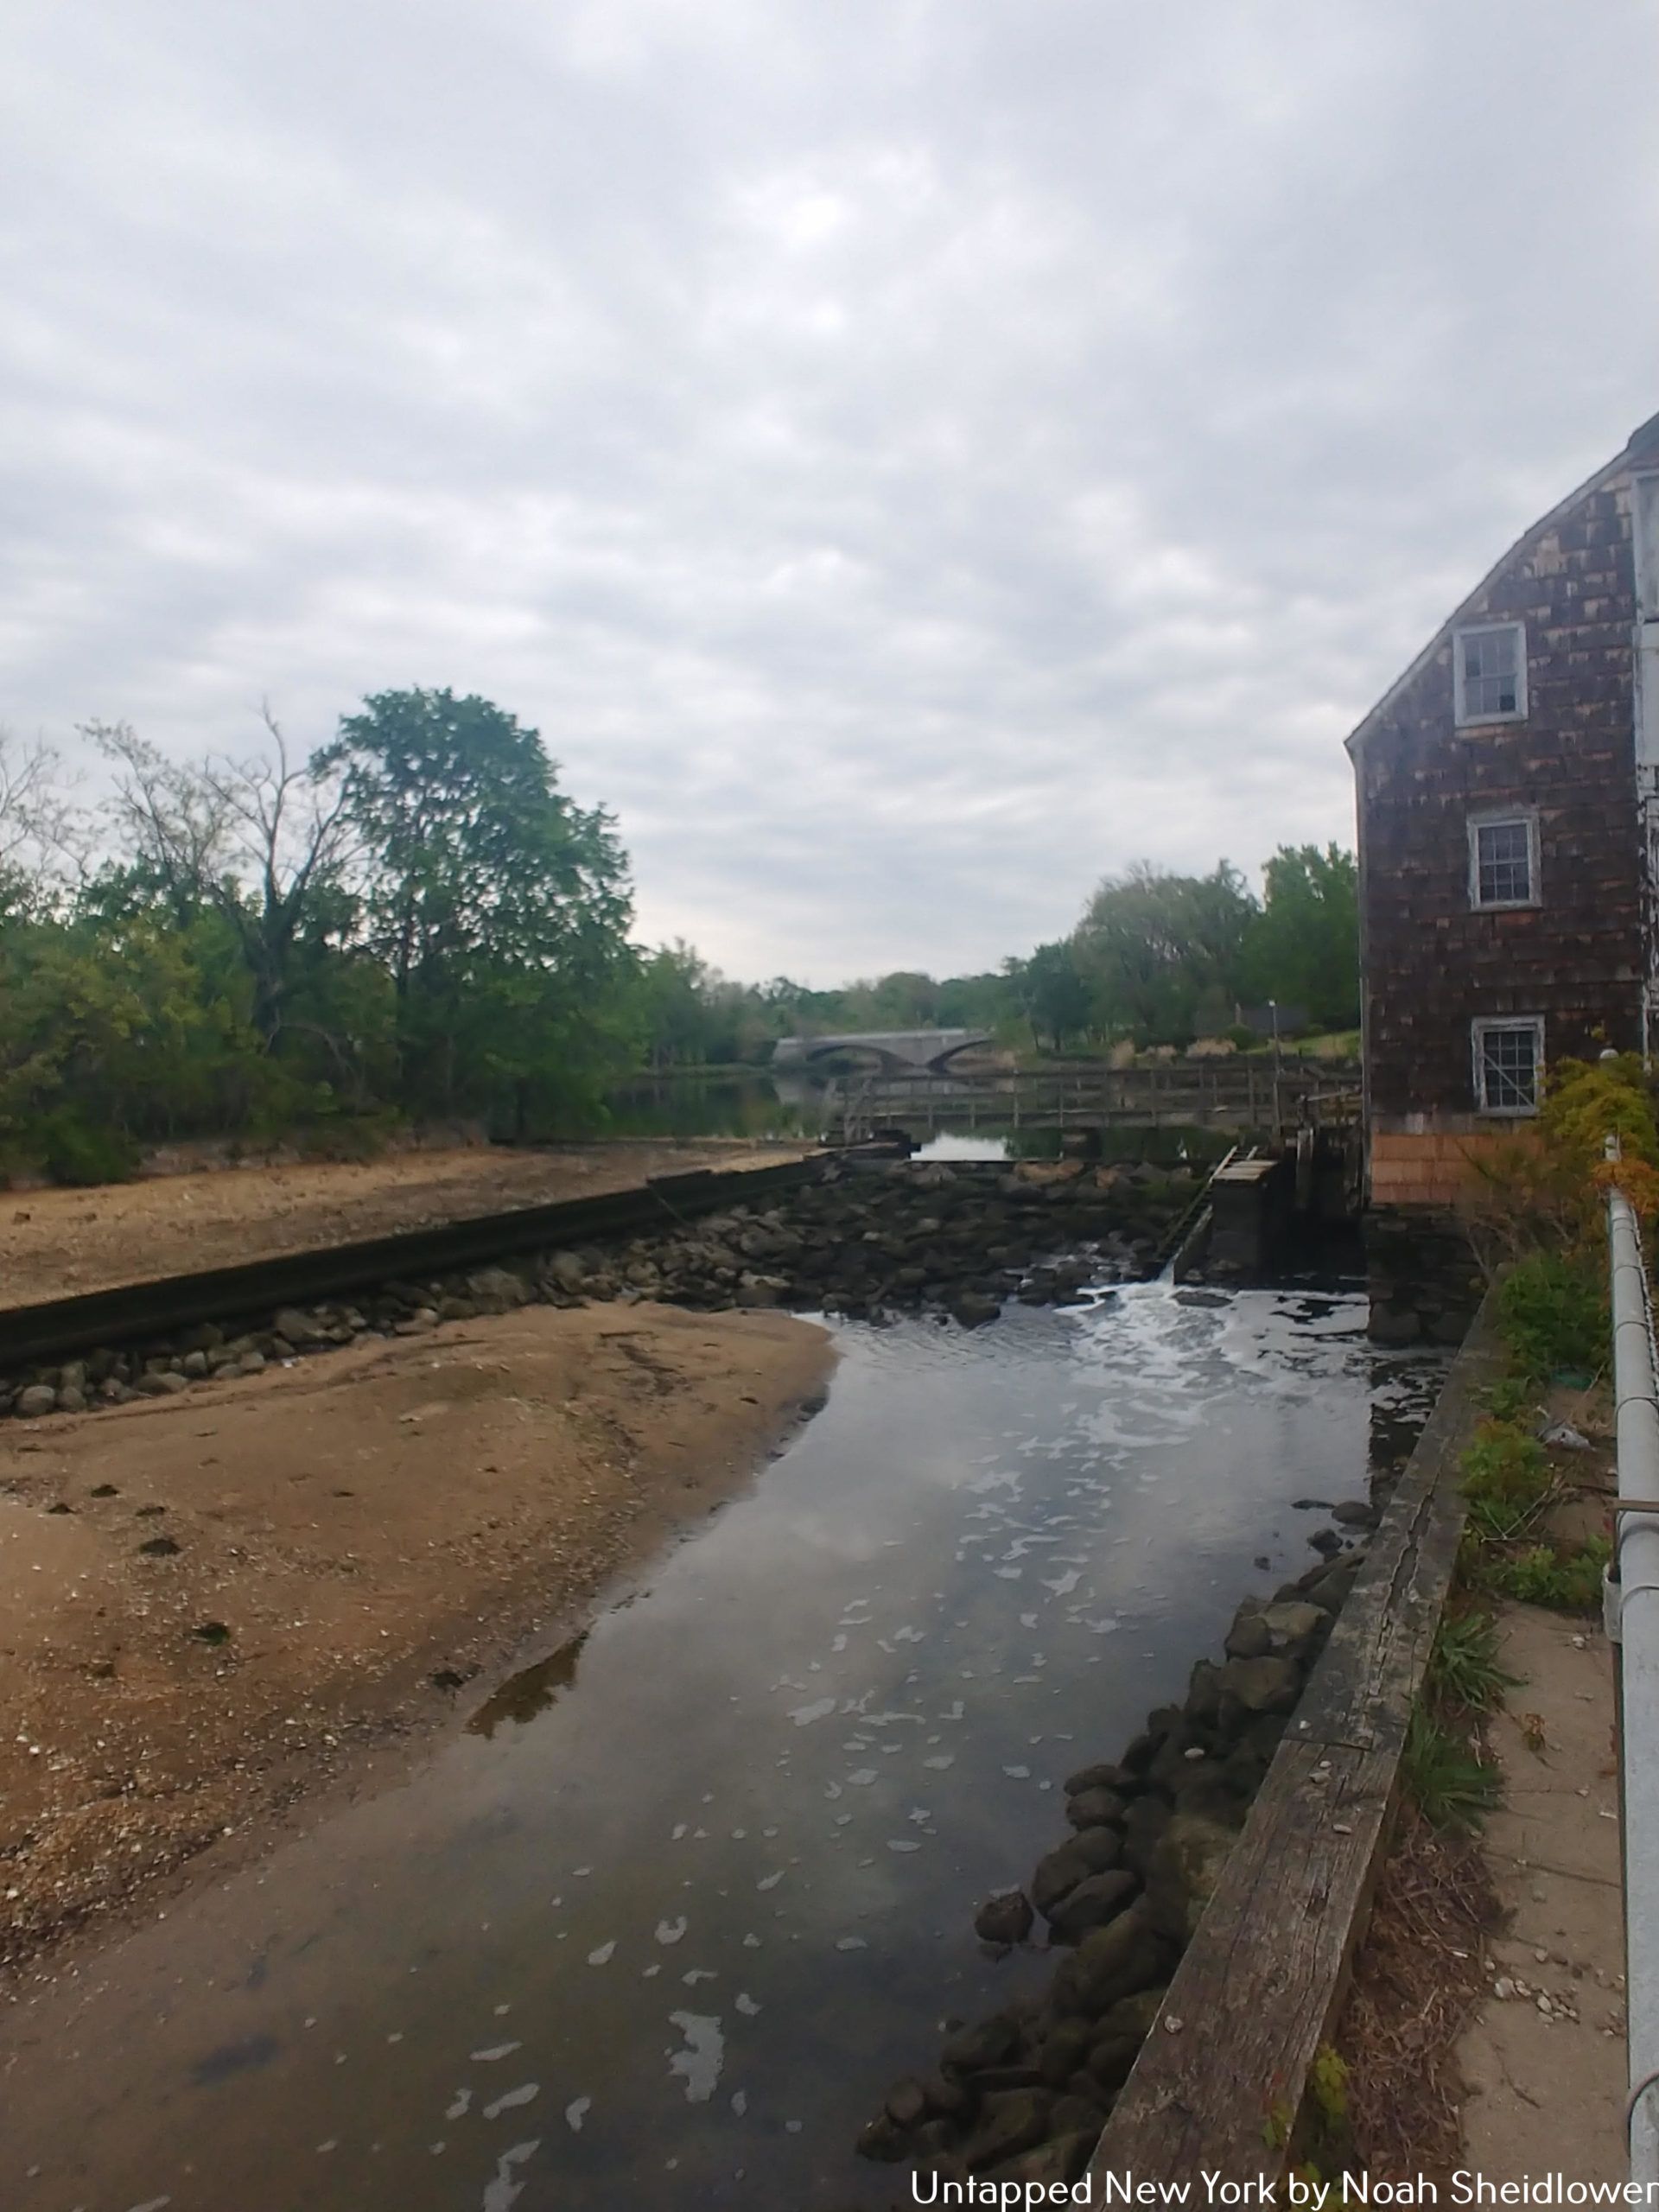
x,y
1544,2058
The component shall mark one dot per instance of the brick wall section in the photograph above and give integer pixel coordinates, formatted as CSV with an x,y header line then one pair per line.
x,y
1432,963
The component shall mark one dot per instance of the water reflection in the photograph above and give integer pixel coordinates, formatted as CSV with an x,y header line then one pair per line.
x,y
530,1691
662,1942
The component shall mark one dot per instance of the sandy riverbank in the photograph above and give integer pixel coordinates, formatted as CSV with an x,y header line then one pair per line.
x,y
211,1607
56,1243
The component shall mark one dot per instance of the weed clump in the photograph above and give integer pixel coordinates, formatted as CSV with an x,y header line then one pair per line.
x,y
1447,1779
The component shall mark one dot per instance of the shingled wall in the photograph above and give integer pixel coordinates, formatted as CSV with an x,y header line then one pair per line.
x,y
1432,963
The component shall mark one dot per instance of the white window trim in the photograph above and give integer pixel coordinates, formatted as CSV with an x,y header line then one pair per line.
x,y
1518,712
1479,1030
1498,819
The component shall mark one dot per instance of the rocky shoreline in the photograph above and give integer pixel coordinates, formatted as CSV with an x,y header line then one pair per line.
x,y
955,1241
1022,2096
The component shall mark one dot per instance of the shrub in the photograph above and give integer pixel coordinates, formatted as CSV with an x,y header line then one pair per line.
x,y
1511,1398
1553,1309
1543,1187
1567,1578
1506,1479
74,1150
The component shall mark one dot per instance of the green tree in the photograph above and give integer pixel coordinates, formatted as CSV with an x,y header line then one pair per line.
x,y
1153,945
499,907
1303,946
1053,994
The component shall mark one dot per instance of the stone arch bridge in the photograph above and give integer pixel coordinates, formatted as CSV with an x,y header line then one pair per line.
x,y
904,1051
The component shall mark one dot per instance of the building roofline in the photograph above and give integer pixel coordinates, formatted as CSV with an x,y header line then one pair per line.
x,y
1639,442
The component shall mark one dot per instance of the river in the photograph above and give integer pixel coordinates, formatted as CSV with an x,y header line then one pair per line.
x,y
659,1924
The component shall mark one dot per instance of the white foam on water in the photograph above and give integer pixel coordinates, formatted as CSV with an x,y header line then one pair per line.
x,y
699,2064
504,2191
526,2092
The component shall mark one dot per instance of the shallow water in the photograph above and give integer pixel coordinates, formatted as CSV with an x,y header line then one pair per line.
x,y
660,1924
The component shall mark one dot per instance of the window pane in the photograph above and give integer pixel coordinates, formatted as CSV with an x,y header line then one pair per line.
x,y
1509,1068
1491,671
1502,863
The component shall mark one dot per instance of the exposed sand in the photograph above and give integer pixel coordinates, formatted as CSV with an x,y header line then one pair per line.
x,y
358,1525
54,1242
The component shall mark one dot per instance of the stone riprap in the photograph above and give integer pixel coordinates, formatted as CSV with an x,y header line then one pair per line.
x,y
1022,2096
955,1242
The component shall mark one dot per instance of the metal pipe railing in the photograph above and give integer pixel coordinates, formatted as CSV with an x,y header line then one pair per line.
x,y
1635,1576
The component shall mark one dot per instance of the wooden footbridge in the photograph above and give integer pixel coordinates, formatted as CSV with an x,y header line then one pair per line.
x,y
1242,1094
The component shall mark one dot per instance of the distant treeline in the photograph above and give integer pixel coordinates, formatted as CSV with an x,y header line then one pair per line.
x,y
1156,959
417,924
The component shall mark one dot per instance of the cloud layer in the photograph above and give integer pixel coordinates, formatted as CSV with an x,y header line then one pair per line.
x,y
909,457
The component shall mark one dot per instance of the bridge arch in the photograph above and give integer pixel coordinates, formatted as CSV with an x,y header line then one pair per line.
x,y
899,1051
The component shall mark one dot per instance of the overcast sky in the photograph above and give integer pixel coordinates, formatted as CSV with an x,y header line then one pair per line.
x,y
908,457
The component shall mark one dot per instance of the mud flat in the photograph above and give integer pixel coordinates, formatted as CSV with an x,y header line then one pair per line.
x,y
212,1605
55,1243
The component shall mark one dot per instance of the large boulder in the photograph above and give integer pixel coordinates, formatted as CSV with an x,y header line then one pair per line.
x,y
1271,1685
1249,1637
986,2044
565,1270
1094,1851
1095,1808
1064,2048
1185,1870
1102,1775
1092,1903
1110,1963
301,1330
1009,2120
1119,2033
1054,2164
1004,1919
497,1290
1143,1824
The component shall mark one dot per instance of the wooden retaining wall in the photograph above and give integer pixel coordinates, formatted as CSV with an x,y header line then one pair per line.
x,y
1224,2071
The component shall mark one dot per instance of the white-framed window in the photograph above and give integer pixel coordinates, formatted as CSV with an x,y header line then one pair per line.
x,y
1489,672
1508,1052
1504,859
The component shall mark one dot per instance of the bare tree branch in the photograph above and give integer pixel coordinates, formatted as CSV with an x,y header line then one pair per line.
x,y
255,839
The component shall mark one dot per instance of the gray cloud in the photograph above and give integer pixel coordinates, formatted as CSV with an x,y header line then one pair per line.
x,y
908,458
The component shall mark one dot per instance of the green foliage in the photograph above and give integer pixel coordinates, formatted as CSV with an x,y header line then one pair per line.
x,y
1303,947
1151,944
1542,1189
1463,1668
1327,2082
1588,1101
417,921
1053,994
1566,1577
1553,1310
498,907
71,1150
1510,1398
1445,1779
1506,1479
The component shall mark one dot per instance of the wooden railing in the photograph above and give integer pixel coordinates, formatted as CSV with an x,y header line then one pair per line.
x,y
1240,1093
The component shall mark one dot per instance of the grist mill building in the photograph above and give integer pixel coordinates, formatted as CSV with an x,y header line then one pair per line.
x,y
1508,787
